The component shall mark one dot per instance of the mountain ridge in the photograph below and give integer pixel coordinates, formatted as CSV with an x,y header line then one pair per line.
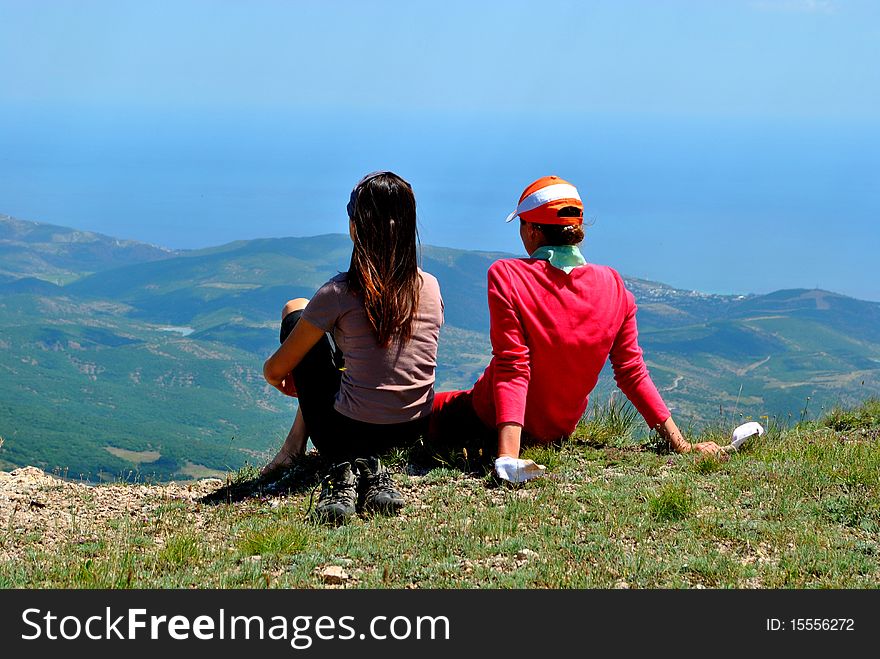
x,y
648,289
60,254
161,356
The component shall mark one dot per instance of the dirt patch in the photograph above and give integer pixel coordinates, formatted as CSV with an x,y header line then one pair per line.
x,y
138,457
196,470
40,511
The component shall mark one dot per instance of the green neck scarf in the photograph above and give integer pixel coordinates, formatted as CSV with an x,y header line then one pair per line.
x,y
564,257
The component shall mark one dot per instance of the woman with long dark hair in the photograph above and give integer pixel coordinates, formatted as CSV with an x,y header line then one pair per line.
x,y
361,354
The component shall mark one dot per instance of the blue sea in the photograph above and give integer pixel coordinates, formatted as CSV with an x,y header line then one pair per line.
x,y
731,205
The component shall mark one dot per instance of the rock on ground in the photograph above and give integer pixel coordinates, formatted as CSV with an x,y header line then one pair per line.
x,y
38,509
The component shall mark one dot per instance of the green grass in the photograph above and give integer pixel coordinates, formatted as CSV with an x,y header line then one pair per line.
x,y
798,509
181,550
864,417
671,504
277,539
609,423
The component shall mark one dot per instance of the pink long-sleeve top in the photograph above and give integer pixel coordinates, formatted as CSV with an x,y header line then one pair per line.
x,y
551,334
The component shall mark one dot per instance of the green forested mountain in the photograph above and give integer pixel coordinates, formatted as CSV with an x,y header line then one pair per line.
x,y
146,362
60,255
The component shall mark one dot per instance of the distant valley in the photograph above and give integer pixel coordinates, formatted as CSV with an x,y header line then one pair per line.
x,y
126,360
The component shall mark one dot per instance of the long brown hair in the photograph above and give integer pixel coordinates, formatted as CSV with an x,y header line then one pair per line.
x,y
384,261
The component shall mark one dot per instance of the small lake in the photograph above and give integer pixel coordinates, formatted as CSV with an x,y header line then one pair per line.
x,y
183,331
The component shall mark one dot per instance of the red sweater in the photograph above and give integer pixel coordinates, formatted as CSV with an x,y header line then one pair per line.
x,y
551,335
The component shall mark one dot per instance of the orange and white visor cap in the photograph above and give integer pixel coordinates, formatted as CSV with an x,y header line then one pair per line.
x,y
542,200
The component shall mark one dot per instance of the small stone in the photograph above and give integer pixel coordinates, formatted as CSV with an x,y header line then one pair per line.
x,y
526,554
621,585
333,574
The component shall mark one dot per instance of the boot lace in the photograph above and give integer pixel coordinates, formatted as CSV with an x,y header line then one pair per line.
x,y
335,491
379,482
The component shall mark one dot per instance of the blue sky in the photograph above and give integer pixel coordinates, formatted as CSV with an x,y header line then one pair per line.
x,y
729,146
756,57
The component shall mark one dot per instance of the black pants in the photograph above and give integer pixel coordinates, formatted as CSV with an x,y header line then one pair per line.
x,y
336,436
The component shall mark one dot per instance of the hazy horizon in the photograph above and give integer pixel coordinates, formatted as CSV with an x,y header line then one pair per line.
x,y
724,147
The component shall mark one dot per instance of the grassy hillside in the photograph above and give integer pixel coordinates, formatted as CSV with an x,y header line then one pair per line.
x,y
797,508
60,254
84,379
162,354
777,355
254,278
81,380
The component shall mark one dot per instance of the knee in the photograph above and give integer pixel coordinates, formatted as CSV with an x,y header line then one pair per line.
x,y
297,304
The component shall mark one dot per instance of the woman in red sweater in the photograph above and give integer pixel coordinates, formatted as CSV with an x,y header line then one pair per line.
x,y
554,321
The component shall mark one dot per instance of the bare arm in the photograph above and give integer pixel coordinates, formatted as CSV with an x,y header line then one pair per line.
x,y
278,367
509,435
670,432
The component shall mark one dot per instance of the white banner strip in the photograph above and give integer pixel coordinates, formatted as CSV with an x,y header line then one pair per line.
x,y
550,193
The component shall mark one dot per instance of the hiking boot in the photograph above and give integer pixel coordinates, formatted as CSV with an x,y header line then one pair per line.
x,y
338,494
376,491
